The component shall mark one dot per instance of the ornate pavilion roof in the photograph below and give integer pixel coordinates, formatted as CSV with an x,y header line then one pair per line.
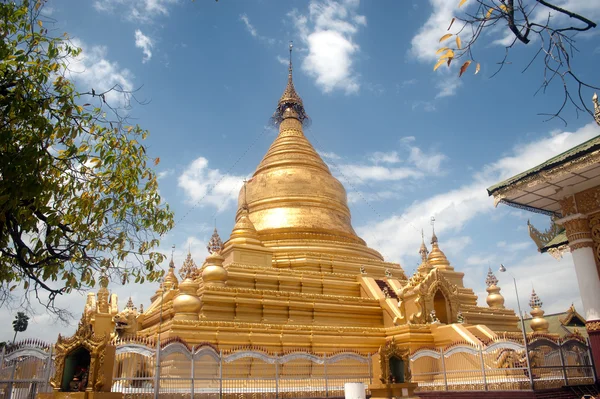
x,y
537,189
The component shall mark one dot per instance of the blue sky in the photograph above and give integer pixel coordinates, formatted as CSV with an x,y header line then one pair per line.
x,y
407,143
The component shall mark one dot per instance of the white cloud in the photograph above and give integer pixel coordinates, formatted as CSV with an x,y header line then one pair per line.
x,y
384,157
447,84
554,281
93,70
329,155
426,42
249,26
371,196
145,43
254,32
136,10
515,246
427,106
389,166
427,162
329,31
399,235
378,173
205,186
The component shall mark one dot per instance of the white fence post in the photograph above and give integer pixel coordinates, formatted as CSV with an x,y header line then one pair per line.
x,y
326,376
49,366
277,379
192,371
562,363
157,370
220,374
444,368
485,387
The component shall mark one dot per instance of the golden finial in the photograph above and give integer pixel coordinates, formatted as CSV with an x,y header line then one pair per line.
x,y
290,103
245,204
172,263
538,323
535,301
103,278
434,239
596,108
130,304
189,268
215,245
494,298
491,279
423,250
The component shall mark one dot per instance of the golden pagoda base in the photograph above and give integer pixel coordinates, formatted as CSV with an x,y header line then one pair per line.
x,y
389,391
80,395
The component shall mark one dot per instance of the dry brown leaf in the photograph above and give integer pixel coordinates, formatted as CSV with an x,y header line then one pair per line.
x,y
451,22
477,68
464,67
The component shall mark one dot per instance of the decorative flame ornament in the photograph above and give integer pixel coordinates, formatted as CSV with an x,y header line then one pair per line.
x,y
215,245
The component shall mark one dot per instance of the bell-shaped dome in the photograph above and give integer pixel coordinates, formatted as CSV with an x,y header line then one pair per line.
x,y
293,200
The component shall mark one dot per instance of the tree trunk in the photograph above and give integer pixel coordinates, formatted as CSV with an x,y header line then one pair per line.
x,y
15,337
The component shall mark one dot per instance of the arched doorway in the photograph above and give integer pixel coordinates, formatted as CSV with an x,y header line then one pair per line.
x,y
75,374
440,305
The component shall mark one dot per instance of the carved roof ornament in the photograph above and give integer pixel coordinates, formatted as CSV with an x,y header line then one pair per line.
x,y
491,279
290,103
434,239
535,301
130,305
215,244
437,259
171,281
423,251
596,108
189,268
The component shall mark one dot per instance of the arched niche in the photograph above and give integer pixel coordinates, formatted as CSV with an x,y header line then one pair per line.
x,y
396,370
76,370
441,307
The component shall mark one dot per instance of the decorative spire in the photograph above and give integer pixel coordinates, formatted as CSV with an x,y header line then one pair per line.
x,y
424,268
491,279
290,104
103,278
494,298
130,305
171,281
535,301
434,239
244,231
596,108
437,258
538,323
189,268
215,245
172,263
423,251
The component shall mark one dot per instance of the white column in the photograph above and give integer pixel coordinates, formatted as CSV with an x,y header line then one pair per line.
x,y
582,248
589,283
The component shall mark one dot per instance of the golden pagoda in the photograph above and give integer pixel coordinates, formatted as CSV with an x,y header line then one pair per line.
x,y
295,275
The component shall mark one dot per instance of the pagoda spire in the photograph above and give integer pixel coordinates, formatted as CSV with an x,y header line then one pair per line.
x,y
290,104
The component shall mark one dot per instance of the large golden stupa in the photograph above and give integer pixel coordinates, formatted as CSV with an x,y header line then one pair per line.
x,y
295,275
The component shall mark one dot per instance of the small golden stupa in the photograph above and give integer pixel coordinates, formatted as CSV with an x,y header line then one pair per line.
x,y
295,275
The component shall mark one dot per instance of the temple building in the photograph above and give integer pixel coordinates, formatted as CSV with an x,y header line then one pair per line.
x,y
567,188
295,275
